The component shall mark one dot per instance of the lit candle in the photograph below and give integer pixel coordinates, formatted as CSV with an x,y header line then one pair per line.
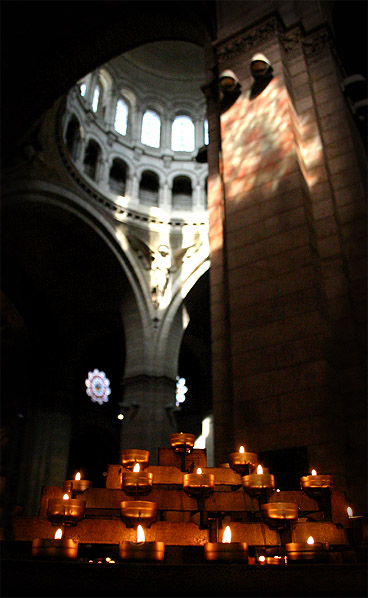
x,y
141,550
68,511
182,443
226,551
133,512
198,483
315,482
270,560
242,461
354,528
278,514
307,551
130,457
57,548
255,483
77,485
136,481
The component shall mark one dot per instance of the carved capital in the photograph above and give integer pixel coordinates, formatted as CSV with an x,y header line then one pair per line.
x,y
291,40
247,40
316,43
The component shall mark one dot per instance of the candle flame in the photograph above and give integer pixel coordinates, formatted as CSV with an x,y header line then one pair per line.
x,y
314,472
66,497
310,540
58,534
140,534
259,470
226,538
241,450
77,476
350,511
136,467
199,470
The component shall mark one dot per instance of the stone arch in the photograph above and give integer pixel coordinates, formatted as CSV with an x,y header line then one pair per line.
x,y
70,266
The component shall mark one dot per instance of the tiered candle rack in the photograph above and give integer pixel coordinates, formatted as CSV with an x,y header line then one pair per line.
x,y
184,514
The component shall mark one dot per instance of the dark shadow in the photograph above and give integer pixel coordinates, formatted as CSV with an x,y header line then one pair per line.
x,y
259,85
229,99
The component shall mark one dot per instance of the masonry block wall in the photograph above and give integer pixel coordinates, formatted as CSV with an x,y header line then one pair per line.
x,y
287,233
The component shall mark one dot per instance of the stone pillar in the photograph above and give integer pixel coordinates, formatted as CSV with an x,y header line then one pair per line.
x,y
90,89
45,455
166,124
129,187
199,132
165,196
198,196
137,126
81,148
148,407
102,172
275,293
135,188
110,110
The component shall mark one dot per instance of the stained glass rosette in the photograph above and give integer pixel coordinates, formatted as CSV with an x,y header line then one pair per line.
x,y
98,387
181,389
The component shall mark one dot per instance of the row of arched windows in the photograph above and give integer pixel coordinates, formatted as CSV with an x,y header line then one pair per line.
x,y
149,184
182,130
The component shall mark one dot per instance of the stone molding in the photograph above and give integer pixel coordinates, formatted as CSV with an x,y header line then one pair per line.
x,y
293,39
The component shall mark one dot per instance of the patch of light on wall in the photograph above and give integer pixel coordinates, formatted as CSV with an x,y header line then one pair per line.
x,y
200,442
181,390
206,136
98,387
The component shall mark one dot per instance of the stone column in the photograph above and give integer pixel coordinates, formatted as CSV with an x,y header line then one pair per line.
x,y
147,404
274,297
197,196
90,89
102,172
166,124
137,126
45,453
199,132
81,148
165,196
135,188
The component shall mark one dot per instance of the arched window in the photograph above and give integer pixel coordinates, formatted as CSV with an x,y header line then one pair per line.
x,y
117,178
206,136
149,188
91,158
151,128
83,89
72,137
121,117
182,193
182,134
